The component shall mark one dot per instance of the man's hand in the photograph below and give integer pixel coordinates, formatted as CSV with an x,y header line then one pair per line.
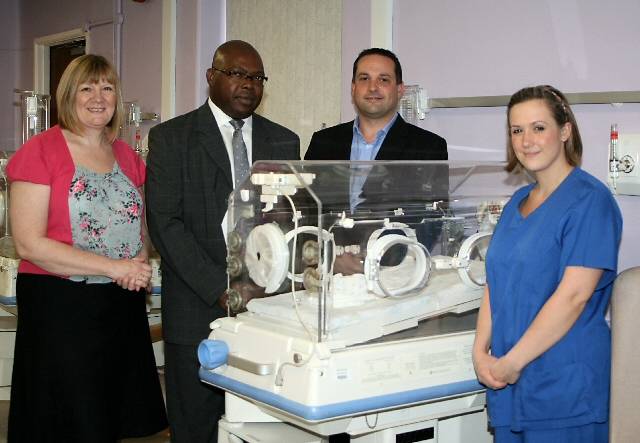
x,y
238,295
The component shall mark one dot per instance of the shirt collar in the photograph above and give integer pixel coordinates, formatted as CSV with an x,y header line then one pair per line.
x,y
223,119
381,132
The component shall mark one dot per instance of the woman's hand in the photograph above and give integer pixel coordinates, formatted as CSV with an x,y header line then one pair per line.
x,y
143,282
505,370
483,363
132,274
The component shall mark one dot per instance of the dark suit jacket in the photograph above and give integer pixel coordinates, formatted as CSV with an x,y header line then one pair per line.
x,y
187,190
403,142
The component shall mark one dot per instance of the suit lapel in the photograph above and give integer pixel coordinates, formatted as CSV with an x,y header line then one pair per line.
x,y
343,146
392,146
210,140
261,146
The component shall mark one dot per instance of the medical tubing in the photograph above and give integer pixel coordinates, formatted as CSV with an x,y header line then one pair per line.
x,y
279,380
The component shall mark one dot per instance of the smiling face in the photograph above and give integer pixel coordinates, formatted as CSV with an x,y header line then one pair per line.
x,y
236,96
375,92
95,104
537,139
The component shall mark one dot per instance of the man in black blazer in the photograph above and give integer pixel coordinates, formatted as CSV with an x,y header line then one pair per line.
x,y
190,174
378,132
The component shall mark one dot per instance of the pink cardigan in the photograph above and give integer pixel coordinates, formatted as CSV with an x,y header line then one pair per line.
x,y
45,159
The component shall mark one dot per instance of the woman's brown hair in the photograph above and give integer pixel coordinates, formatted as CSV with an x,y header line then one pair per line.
x,y
561,112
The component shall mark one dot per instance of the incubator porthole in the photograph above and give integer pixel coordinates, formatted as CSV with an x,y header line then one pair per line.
x,y
471,257
267,256
396,264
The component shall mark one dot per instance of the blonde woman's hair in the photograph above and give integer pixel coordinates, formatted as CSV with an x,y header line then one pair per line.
x,y
89,68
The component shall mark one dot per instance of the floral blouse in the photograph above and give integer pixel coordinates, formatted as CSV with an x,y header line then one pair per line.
x,y
106,215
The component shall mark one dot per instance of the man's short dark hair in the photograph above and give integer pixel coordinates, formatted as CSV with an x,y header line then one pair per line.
x,y
384,53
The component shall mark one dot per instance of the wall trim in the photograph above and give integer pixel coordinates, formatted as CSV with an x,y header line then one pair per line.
x,y
41,47
382,24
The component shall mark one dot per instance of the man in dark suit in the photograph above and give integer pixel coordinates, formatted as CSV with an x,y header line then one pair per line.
x,y
190,174
378,132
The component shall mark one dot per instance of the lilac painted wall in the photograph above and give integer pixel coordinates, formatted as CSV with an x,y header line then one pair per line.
x,y
141,72
454,50
503,44
9,72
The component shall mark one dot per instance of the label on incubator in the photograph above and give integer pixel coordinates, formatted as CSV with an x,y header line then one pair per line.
x,y
439,362
379,369
342,374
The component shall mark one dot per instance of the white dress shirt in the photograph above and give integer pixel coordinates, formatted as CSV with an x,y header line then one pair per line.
x,y
226,130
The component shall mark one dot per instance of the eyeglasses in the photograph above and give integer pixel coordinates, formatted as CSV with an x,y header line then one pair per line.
x,y
236,74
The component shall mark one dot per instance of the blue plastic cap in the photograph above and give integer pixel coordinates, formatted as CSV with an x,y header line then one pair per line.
x,y
212,353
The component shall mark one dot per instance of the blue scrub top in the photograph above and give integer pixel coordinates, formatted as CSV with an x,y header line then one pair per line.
x,y
578,225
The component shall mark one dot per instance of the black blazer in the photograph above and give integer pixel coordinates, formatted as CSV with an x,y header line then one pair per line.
x,y
188,185
404,141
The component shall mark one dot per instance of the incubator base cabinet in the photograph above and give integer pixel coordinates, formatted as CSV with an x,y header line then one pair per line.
x,y
441,421
353,296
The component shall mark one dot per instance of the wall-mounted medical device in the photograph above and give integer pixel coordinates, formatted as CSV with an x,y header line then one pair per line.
x,y
34,113
623,162
131,130
414,104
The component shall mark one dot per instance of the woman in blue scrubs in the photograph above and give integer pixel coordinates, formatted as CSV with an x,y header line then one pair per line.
x,y
542,343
